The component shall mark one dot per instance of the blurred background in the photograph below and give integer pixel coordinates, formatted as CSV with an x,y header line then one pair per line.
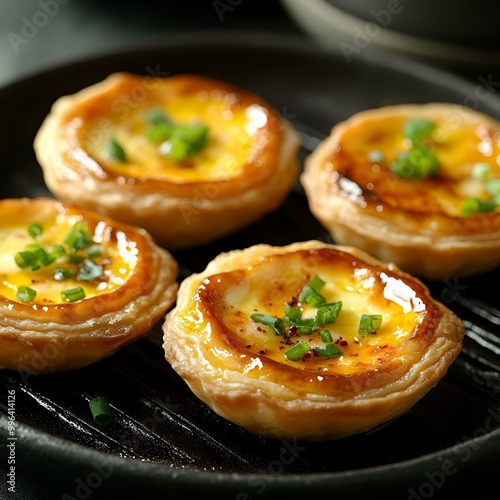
x,y
462,38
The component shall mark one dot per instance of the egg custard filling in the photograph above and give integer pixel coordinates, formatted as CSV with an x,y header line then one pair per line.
x,y
75,284
187,157
309,341
59,255
418,185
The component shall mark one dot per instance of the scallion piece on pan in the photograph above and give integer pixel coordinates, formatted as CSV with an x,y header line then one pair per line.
x,y
101,411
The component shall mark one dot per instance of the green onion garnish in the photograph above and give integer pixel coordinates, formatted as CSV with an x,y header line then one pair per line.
x,y
418,128
156,116
26,259
35,230
276,323
94,250
116,151
296,352
178,142
310,293
472,206
481,171
61,274
369,323
78,237
101,411
328,351
73,294
185,141
89,271
493,187
417,163
327,313
304,326
292,313
57,252
326,336
26,294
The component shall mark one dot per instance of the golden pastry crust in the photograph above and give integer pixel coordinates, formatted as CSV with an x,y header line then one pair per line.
x,y
239,367
415,223
132,286
245,171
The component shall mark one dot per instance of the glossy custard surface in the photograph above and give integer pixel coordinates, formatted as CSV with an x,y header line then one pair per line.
x,y
220,315
118,256
243,130
457,145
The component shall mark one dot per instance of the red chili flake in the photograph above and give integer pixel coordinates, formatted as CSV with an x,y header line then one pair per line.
x,y
292,302
343,342
306,356
260,329
263,351
248,346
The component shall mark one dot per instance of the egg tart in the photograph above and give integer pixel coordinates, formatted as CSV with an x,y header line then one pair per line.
x,y
75,286
413,184
309,341
188,158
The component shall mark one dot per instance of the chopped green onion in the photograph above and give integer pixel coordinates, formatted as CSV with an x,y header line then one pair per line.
x,y
78,237
481,171
418,128
57,252
89,271
61,274
276,323
304,326
26,259
116,151
376,156
185,141
417,163
161,127
328,351
327,313
326,336
156,116
42,256
369,323
101,411
26,294
292,313
310,293
74,294
472,206
316,283
296,352
493,187
35,230
160,132
94,250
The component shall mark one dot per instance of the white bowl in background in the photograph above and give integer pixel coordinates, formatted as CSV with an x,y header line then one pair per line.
x,y
381,27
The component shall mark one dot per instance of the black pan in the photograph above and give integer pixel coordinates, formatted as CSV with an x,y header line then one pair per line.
x,y
165,443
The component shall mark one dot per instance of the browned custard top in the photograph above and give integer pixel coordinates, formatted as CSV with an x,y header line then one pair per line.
x,y
458,145
221,316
